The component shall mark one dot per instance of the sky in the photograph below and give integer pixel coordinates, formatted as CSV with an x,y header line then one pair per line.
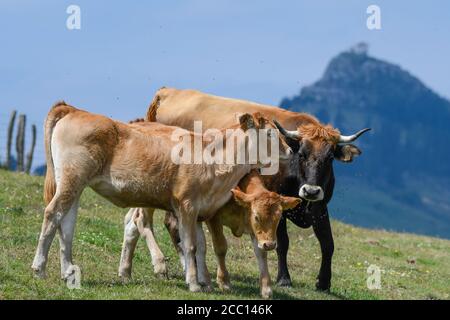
x,y
256,50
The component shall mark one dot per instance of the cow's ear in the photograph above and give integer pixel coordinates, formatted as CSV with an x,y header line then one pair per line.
x,y
241,198
261,120
289,202
345,153
247,121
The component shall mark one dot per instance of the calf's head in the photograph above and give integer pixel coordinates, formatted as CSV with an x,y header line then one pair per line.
x,y
316,146
263,213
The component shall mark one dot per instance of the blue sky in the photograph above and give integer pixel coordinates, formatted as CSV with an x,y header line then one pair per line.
x,y
257,50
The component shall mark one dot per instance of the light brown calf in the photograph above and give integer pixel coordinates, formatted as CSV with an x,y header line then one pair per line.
x,y
253,210
131,166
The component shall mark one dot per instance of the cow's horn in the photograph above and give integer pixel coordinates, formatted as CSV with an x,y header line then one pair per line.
x,y
353,137
290,134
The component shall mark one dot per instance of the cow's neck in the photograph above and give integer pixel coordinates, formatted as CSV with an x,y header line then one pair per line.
x,y
293,120
226,170
222,178
234,217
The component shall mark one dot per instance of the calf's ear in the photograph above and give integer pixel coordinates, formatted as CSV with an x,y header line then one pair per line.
x,y
289,202
247,121
241,198
346,152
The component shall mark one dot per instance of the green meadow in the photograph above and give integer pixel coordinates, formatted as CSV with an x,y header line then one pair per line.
x,y
412,266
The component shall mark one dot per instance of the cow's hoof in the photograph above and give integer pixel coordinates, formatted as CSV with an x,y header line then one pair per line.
x,y
125,276
39,272
71,272
125,280
207,288
194,287
205,283
160,270
284,282
163,275
125,273
266,293
323,286
224,286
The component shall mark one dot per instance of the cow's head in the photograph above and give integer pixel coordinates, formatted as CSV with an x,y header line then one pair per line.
x,y
263,214
317,145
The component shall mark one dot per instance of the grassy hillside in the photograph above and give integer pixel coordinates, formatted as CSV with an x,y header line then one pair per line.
x,y
413,267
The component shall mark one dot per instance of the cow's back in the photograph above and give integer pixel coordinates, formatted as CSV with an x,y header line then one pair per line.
x,y
182,107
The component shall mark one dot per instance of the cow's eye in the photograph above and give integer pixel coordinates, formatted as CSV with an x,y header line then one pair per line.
x,y
256,218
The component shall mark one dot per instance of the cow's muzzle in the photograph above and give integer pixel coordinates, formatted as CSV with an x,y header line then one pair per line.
x,y
267,245
311,193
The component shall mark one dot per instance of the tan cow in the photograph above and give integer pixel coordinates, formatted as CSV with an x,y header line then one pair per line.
x,y
255,211
131,166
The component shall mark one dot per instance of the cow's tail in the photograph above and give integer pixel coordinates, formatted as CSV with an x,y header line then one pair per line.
x,y
57,112
154,105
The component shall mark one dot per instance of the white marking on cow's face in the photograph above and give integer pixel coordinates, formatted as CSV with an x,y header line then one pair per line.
x,y
311,193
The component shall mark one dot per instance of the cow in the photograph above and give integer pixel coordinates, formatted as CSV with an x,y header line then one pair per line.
x,y
309,175
253,210
133,166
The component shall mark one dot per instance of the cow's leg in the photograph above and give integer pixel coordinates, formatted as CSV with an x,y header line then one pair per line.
x,y
63,200
220,249
204,277
322,229
130,239
283,277
66,231
144,222
188,234
264,276
171,223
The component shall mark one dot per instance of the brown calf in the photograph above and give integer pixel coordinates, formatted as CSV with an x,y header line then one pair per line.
x,y
254,210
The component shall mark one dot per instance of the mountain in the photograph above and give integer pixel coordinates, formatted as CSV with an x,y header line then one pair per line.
x,y
402,179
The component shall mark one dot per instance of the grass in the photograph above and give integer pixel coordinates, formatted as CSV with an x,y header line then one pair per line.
x,y
412,267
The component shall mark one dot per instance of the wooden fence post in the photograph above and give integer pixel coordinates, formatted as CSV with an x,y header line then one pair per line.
x,y
31,152
12,120
20,142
